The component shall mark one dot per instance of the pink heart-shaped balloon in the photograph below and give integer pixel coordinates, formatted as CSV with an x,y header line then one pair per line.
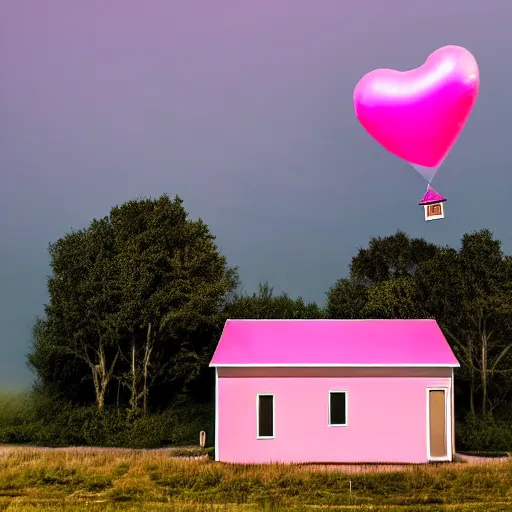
x,y
417,115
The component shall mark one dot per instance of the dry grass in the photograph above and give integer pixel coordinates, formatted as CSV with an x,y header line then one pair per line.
x,y
79,479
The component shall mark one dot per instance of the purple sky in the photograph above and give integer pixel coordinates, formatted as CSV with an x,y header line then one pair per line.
x,y
244,109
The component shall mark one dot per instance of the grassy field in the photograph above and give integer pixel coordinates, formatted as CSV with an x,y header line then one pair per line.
x,y
94,480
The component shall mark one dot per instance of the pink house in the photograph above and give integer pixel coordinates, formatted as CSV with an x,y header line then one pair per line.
x,y
333,391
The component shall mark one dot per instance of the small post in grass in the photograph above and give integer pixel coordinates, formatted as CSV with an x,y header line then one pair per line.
x,y
202,439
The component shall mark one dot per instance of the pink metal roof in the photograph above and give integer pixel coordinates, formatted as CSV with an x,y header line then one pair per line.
x,y
333,343
431,196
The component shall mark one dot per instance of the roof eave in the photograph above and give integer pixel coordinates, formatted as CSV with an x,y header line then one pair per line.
x,y
436,201
366,365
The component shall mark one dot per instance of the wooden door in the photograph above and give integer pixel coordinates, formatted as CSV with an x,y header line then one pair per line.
x,y
437,424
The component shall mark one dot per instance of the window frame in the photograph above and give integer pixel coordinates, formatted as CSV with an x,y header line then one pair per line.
x,y
258,416
337,391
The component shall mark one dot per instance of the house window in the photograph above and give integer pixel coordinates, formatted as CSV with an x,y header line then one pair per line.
x,y
265,416
338,409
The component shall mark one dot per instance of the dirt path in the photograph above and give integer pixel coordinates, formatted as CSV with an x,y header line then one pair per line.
x,y
472,459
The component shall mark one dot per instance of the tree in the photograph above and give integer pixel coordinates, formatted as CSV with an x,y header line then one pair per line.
x,y
346,299
383,261
395,298
391,257
137,297
468,292
79,317
57,375
265,305
174,283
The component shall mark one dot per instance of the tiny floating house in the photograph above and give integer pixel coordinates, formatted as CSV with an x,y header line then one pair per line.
x,y
433,203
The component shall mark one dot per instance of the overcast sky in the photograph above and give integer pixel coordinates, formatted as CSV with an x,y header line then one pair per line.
x,y
244,109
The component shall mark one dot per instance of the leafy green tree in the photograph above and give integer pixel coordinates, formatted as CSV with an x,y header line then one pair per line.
x,y
395,298
79,324
390,257
469,293
381,263
57,375
174,283
138,298
263,304
347,299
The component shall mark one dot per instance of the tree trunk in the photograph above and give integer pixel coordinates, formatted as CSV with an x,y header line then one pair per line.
x,y
134,400
147,355
140,374
471,379
472,398
101,376
100,402
484,374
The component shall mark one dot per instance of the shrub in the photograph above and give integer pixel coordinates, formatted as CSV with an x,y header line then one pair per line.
x,y
152,431
478,435
189,421
45,420
16,409
17,418
18,434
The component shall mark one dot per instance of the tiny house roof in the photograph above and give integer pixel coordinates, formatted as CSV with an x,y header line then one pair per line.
x,y
431,196
336,343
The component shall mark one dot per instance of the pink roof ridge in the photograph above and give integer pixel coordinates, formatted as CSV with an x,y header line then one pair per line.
x,y
431,196
341,343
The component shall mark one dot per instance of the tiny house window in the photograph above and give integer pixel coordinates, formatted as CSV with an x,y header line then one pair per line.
x,y
265,416
338,409
434,209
